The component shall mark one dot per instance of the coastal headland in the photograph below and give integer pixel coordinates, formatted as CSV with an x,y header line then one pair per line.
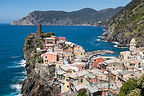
x,y
57,67
40,73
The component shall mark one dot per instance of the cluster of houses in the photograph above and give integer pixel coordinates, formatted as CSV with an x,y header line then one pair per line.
x,y
102,76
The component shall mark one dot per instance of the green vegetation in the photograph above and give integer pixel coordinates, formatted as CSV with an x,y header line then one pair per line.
x,y
26,45
128,86
33,58
83,16
40,44
82,92
40,60
130,22
133,87
50,34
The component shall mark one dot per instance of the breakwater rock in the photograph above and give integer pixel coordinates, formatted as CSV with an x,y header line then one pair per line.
x,y
100,52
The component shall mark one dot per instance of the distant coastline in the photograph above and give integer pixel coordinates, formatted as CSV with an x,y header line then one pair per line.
x,y
86,16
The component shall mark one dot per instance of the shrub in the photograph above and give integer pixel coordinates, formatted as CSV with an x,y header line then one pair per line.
x,y
40,60
82,92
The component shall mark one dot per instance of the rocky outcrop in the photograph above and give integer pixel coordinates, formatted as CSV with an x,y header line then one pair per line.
x,y
85,16
127,24
39,81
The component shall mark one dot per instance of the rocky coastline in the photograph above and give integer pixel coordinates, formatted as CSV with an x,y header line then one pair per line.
x,y
128,23
38,81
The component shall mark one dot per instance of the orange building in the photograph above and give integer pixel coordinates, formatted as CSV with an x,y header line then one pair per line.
x,y
96,63
49,58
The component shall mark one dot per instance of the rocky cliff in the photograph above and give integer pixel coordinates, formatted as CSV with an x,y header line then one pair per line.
x,y
39,80
128,23
86,16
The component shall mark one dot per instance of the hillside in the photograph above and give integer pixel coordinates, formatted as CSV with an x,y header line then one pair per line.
x,y
127,24
84,16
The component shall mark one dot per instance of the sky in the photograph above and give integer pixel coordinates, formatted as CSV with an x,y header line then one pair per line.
x,y
11,10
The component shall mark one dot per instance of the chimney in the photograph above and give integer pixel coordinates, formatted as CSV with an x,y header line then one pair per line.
x,y
39,26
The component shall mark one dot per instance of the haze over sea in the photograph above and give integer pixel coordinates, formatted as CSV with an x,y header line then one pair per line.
x,y
12,42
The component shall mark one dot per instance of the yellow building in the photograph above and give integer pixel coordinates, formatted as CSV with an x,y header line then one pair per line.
x,y
78,50
67,83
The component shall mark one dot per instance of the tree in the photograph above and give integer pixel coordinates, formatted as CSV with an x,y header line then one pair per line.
x,y
135,92
50,34
82,92
128,86
133,87
40,60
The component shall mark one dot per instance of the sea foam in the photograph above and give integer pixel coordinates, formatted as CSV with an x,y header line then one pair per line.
x,y
18,64
22,63
13,57
97,39
17,87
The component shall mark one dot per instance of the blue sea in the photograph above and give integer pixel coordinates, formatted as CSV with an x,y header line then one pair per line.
x,y
12,39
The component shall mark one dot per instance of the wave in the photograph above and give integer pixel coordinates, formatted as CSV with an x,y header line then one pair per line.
x,y
97,44
115,46
16,87
24,72
98,39
22,78
105,41
22,63
18,64
13,57
14,94
92,42
115,43
101,37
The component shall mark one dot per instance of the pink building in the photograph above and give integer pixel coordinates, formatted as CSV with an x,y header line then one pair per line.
x,y
50,42
49,58
61,38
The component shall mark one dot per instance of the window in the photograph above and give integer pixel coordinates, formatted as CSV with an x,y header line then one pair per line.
x,y
47,41
46,60
81,80
45,56
139,65
67,86
67,80
51,41
132,64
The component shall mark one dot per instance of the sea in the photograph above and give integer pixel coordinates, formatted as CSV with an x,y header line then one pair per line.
x,y
12,38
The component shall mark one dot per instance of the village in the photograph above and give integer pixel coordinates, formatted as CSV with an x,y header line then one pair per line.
x,y
99,75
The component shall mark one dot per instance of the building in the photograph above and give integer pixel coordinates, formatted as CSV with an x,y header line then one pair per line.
x,y
61,38
78,50
133,46
50,42
97,62
49,58
125,74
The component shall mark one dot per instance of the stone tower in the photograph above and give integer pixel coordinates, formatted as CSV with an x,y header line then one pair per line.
x,y
39,26
132,46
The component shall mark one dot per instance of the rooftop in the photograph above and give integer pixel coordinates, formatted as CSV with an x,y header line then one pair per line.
x,y
124,72
92,89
